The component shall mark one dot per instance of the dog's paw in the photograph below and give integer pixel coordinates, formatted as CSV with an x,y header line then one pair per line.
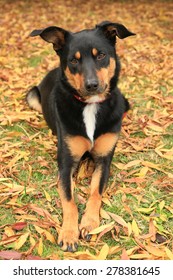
x,y
68,239
88,223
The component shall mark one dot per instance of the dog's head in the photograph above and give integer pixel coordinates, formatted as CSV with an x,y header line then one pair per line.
x,y
87,57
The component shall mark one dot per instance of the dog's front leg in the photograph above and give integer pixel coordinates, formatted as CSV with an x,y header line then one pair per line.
x,y
102,154
68,237
69,154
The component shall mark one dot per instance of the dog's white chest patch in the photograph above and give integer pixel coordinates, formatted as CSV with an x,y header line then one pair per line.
x,y
89,117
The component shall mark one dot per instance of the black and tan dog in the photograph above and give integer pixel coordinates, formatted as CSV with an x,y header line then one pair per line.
x,y
82,105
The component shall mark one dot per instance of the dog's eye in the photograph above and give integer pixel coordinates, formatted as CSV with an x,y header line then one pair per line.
x,y
74,61
101,56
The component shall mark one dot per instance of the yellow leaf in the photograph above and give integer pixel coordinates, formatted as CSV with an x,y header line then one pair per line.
x,y
21,241
114,250
82,172
129,228
32,241
104,214
135,228
103,252
106,201
132,250
135,162
9,231
119,165
156,127
161,205
140,256
38,229
40,246
142,172
48,198
49,236
145,210
101,228
155,251
169,253
157,167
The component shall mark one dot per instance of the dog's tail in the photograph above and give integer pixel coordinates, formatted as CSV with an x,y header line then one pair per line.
x,y
33,99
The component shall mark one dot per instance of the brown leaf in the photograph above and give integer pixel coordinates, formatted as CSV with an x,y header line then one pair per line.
x,y
19,226
10,255
118,219
152,230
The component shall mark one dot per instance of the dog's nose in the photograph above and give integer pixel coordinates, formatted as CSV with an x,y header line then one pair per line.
x,y
91,85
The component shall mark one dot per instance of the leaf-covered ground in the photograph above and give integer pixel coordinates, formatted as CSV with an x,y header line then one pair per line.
x,y
137,208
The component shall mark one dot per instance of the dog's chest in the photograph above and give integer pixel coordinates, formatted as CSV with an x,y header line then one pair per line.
x,y
89,118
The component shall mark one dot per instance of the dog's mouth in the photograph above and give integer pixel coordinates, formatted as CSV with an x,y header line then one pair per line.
x,y
94,97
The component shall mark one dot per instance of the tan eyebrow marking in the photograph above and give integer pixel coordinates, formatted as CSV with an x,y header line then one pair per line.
x,y
77,55
94,51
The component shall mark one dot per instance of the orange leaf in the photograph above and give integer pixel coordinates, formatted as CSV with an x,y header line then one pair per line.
x,y
124,255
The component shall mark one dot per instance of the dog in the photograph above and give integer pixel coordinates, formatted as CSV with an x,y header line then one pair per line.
x,y
83,106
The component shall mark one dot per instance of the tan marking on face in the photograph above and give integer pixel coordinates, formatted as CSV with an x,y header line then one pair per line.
x,y
78,145
94,52
105,143
77,55
76,81
105,74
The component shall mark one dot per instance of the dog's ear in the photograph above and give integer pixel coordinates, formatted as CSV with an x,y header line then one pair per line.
x,y
55,35
111,30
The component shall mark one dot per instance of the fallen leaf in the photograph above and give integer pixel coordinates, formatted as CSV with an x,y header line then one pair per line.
x,y
103,253
101,228
21,241
155,251
48,198
10,255
40,246
169,253
124,255
135,228
118,219
19,226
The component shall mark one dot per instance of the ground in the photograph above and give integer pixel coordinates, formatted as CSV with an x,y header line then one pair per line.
x,y
137,208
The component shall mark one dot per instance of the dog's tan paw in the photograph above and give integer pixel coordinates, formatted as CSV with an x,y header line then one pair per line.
x,y
68,239
88,223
